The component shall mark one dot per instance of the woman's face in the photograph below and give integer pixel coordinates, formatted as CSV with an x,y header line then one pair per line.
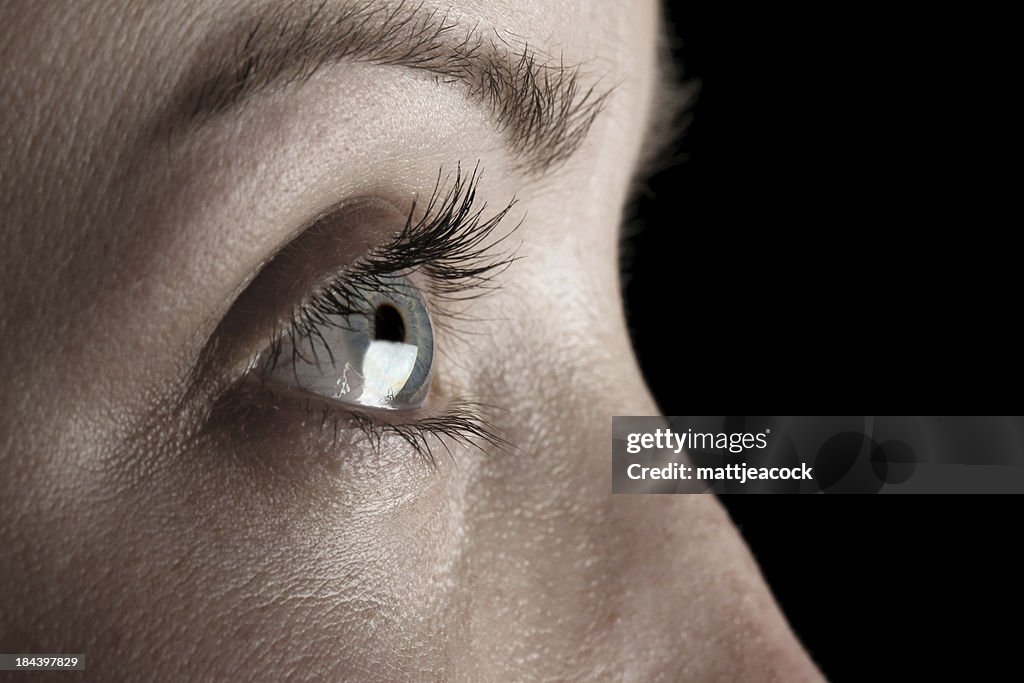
x,y
264,417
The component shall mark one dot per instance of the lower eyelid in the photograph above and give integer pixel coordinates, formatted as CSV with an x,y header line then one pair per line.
x,y
267,414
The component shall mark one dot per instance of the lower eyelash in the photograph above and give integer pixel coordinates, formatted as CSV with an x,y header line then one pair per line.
x,y
463,423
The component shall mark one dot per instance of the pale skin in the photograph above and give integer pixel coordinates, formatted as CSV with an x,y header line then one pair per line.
x,y
164,536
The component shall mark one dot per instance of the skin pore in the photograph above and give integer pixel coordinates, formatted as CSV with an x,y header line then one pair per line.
x,y
175,181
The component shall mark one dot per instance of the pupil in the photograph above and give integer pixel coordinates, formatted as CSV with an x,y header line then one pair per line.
x,y
388,324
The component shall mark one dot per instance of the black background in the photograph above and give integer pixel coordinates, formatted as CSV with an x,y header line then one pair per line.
x,y
818,246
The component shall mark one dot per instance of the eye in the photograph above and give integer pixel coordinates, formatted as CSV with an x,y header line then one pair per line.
x,y
348,324
374,347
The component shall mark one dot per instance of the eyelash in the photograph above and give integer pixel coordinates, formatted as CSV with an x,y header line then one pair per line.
x,y
450,246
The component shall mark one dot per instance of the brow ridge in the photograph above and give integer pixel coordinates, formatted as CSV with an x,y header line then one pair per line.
x,y
538,103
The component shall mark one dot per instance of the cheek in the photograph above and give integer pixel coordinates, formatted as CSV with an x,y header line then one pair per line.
x,y
347,572
251,571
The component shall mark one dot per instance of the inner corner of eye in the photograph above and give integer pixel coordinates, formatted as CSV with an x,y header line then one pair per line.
x,y
367,345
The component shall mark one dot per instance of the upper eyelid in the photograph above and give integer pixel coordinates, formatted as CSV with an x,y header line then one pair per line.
x,y
451,242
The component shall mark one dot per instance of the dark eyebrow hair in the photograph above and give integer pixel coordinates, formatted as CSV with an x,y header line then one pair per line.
x,y
538,103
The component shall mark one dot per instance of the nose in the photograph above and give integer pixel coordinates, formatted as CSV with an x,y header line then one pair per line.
x,y
694,604
622,587
691,602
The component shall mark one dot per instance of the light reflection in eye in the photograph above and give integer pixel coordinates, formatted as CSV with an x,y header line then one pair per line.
x,y
381,356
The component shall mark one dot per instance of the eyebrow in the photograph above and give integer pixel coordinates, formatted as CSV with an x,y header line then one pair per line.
x,y
537,103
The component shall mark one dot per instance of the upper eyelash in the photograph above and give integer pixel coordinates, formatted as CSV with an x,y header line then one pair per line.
x,y
450,244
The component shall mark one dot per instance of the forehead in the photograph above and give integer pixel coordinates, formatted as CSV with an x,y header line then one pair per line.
x,y
87,80
117,63
129,35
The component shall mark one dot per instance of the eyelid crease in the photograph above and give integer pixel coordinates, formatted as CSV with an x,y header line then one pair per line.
x,y
451,244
